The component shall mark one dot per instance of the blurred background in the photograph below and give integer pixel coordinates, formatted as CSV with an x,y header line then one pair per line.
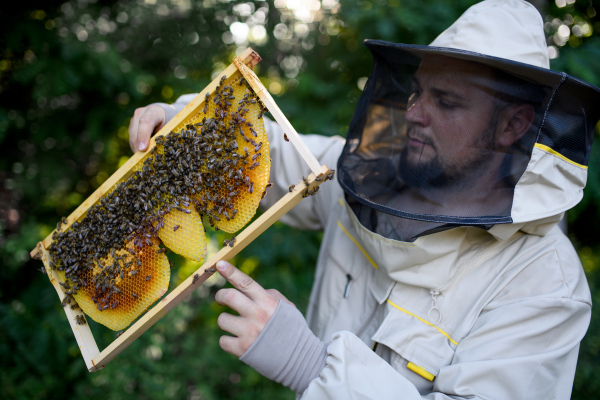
x,y
71,75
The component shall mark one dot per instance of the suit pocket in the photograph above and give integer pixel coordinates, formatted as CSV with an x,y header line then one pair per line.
x,y
413,340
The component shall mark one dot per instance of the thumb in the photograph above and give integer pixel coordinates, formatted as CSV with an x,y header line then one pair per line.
x,y
151,120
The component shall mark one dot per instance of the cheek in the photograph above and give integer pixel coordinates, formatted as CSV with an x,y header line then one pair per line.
x,y
456,137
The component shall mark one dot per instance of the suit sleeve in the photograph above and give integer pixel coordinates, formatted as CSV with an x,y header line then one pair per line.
x,y
172,109
288,167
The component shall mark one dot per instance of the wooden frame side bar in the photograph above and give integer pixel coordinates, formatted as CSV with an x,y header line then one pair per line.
x,y
267,219
268,101
83,334
250,59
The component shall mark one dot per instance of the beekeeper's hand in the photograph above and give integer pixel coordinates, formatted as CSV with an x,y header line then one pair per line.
x,y
145,121
254,305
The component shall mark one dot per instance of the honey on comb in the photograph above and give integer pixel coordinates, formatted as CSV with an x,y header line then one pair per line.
x,y
184,234
129,307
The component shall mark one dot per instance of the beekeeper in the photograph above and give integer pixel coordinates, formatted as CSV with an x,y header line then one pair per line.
x,y
442,273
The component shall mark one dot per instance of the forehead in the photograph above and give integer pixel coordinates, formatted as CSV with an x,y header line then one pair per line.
x,y
459,76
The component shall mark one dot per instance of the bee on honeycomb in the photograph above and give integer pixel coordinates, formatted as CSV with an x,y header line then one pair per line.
x,y
215,165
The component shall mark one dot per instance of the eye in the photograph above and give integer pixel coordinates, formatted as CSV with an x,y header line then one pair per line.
x,y
446,105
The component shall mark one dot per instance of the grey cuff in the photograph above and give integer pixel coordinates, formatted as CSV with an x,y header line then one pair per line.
x,y
286,351
171,110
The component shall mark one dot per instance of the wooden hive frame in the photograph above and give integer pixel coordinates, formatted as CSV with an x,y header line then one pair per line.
x,y
95,359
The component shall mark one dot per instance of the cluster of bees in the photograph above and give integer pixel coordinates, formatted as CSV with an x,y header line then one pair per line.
x,y
211,167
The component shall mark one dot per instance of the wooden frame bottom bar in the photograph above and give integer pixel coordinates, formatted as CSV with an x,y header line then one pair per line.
x,y
261,224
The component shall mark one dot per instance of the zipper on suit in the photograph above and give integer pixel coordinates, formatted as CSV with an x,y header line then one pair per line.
x,y
480,257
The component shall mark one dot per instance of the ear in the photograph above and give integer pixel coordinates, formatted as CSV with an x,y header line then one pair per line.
x,y
518,121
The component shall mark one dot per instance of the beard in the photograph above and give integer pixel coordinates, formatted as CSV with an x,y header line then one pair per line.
x,y
454,173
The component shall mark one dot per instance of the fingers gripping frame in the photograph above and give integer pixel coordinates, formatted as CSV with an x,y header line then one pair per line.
x,y
96,360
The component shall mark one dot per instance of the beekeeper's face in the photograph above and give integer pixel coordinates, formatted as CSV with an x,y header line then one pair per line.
x,y
453,122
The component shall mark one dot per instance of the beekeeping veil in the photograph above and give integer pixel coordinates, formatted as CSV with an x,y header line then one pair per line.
x,y
473,130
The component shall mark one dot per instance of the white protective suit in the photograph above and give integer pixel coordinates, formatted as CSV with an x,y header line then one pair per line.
x,y
514,300
465,313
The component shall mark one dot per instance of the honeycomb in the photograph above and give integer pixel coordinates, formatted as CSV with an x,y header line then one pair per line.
x,y
184,234
132,294
244,202
215,165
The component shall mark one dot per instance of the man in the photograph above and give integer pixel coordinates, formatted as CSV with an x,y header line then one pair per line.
x,y
442,273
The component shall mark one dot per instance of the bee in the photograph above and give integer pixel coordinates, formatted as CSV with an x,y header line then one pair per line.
x,y
291,188
263,195
120,333
251,188
148,278
232,241
134,273
160,251
305,181
80,320
285,138
114,305
195,279
225,242
175,228
63,220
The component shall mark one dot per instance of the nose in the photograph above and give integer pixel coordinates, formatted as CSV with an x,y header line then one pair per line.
x,y
416,110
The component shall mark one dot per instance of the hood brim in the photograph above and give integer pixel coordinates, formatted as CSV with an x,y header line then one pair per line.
x,y
526,71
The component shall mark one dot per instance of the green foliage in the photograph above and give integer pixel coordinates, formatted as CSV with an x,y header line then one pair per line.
x,y
71,75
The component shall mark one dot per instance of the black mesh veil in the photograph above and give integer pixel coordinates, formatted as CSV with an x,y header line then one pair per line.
x,y
440,137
